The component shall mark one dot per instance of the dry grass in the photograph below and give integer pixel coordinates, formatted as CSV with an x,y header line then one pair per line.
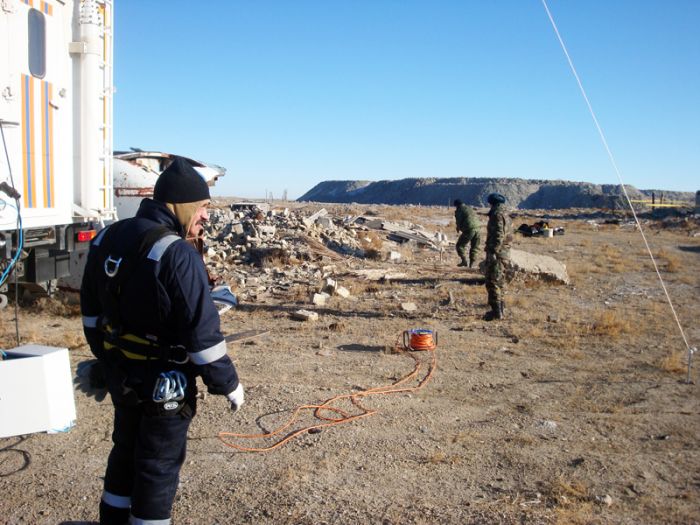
x,y
613,260
669,261
674,363
371,244
570,490
438,457
572,501
609,324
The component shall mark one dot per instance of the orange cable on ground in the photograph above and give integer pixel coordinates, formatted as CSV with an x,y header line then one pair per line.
x,y
419,340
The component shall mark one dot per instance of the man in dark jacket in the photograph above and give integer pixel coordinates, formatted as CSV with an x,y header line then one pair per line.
x,y
468,225
498,239
149,319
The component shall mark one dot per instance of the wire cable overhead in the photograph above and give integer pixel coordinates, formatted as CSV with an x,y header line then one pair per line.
x,y
622,184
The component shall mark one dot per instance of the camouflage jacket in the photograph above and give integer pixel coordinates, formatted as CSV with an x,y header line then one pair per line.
x,y
498,231
466,219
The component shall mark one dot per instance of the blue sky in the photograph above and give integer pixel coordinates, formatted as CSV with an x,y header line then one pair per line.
x,y
289,93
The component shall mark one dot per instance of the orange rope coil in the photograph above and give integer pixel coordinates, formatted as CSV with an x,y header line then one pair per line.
x,y
417,340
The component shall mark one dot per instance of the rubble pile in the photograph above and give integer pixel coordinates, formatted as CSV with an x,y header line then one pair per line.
x,y
262,251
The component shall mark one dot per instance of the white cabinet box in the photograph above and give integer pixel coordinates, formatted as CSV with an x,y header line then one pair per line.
x,y
36,391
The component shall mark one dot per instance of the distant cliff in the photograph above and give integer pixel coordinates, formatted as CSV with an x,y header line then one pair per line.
x,y
520,193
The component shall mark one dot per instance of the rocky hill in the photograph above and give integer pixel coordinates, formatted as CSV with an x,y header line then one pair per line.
x,y
521,193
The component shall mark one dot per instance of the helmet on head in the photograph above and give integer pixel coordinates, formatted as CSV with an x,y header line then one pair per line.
x,y
495,198
457,203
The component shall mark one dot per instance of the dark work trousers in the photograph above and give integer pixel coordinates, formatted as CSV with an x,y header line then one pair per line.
x,y
144,465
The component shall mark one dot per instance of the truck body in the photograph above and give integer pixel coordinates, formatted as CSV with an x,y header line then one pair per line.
x,y
56,86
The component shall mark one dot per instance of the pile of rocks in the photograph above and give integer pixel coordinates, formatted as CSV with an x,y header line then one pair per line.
x,y
264,251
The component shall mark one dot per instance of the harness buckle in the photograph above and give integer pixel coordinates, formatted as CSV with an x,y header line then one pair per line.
x,y
112,266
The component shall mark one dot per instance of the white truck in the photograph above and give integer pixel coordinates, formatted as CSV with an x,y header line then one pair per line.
x,y
56,185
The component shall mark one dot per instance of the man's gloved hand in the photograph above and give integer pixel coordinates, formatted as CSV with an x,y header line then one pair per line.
x,y
92,378
237,398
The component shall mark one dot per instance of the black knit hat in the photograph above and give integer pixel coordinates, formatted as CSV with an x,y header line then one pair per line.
x,y
457,203
180,183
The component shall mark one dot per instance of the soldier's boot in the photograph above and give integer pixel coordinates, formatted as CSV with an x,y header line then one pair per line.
x,y
495,313
471,262
464,262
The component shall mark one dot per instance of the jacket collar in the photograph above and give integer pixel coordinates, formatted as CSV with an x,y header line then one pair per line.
x,y
159,212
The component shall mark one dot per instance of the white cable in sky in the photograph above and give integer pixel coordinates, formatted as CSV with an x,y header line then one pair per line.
x,y
617,171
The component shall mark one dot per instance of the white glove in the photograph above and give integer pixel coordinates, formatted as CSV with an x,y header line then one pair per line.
x,y
237,398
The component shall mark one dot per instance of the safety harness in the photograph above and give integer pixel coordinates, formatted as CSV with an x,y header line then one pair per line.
x,y
117,267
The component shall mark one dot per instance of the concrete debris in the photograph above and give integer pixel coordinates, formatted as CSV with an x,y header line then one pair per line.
x,y
525,264
330,286
342,292
250,206
409,307
305,315
263,251
320,299
548,425
378,274
313,218
604,500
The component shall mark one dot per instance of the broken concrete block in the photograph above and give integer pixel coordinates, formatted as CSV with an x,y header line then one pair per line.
x,y
320,299
325,222
342,292
308,221
538,266
305,315
409,307
329,285
393,256
266,231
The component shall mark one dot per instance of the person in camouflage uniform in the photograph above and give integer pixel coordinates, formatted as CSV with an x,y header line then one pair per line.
x,y
468,225
498,239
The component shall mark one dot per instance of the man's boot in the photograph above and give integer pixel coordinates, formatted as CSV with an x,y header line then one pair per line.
x,y
471,262
464,262
495,313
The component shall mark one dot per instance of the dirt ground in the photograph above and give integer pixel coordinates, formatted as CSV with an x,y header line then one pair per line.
x,y
572,410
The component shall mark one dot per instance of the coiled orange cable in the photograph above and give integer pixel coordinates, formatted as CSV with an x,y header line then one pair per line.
x,y
420,340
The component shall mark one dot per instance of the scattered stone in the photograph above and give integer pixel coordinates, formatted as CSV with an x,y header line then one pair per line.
x,y
394,256
553,318
604,500
320,299
378,274
305,315
330,286
312,218
548,425
342,292
325,222
409,307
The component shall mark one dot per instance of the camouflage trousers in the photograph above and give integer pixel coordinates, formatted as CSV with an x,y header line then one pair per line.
x,y
464,239
495,278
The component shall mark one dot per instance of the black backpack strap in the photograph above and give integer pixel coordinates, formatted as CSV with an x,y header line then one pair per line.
x,y
116,266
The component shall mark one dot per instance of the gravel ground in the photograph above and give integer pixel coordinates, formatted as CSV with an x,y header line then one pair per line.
x,y
572,410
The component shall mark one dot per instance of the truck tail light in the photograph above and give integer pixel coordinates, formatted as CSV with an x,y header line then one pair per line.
x,y
86,235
